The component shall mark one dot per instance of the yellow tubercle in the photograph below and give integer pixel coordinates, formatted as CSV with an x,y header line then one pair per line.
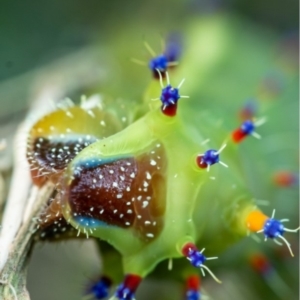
x,y
255,220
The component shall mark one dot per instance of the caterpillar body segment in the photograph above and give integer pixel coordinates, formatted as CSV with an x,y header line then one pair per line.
x,y
145,231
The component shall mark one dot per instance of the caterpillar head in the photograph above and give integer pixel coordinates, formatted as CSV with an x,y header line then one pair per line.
x,y
59,136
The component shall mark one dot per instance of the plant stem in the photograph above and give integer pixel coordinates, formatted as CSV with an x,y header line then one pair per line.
x,y
13,275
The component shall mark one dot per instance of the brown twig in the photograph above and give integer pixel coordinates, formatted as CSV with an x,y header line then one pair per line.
x,y
13,275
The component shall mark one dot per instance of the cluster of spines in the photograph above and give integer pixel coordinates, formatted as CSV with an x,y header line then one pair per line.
x,y
159,64
126,290
209,158
270,227
247,128
99,289
285,178
169,96
197,258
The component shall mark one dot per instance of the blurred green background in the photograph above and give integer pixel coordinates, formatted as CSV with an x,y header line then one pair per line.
x,y
36,32
45,40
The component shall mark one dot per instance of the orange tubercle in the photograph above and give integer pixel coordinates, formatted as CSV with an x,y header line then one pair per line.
x,y
256,220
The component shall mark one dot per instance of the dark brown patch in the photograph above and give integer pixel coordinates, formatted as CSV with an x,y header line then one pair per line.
x,y
127,192
50,156
58,230
100,192
52,224
150,200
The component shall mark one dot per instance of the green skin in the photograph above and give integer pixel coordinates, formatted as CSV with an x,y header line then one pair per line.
x,y
191,194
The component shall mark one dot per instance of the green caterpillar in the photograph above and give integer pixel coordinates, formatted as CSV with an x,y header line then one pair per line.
x,y
147,182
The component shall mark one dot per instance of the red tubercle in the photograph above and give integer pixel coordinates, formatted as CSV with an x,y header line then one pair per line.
x,y
157,76
169,110
200,163
127,289
245,114
284,178
187,248
132,282
260,263
238,135
248,111
193,282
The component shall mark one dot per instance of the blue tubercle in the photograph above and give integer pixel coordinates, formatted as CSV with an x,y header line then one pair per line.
x,y
251,105
124,293
248,127
196,258
173,47
159,62
126,290
211,157
100,289
193,295
169,95
273,228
